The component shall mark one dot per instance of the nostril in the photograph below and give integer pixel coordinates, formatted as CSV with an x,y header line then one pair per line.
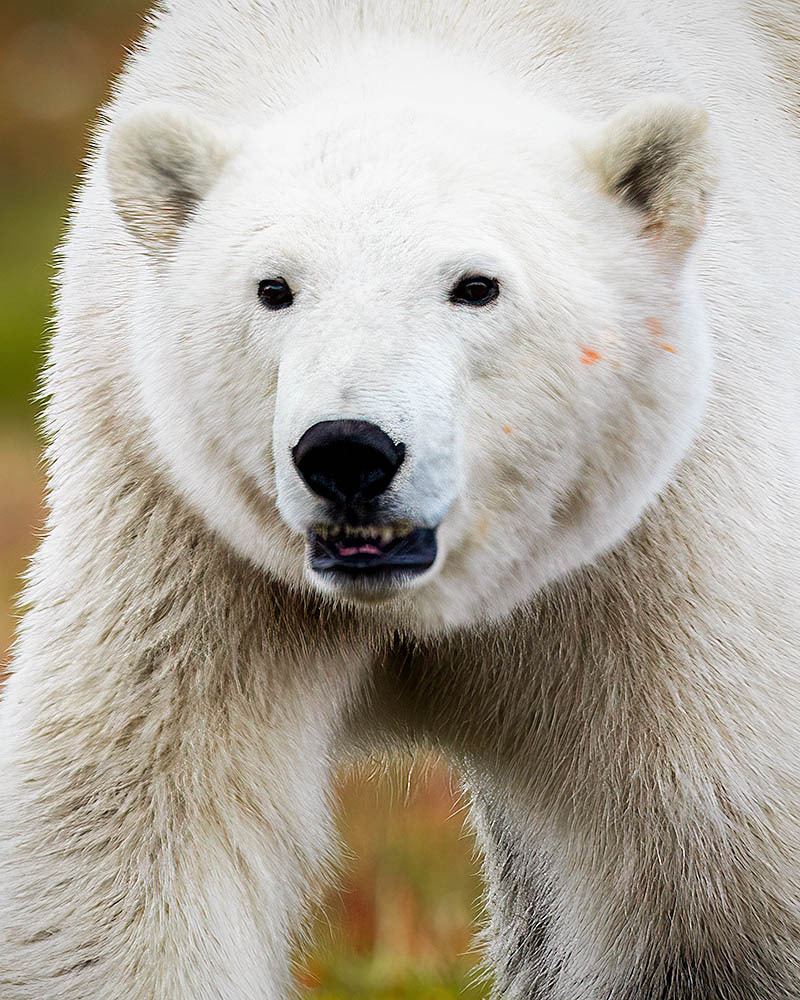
x,y
347,461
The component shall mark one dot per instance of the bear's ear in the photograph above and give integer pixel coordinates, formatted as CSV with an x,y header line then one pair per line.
x,y
655,157
161,162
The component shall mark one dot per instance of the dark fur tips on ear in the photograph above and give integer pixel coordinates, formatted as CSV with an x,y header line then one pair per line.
x,y
161,162
655,157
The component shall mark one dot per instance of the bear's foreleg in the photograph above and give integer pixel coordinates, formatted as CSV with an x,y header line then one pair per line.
x,y
659,911
150,866
163,793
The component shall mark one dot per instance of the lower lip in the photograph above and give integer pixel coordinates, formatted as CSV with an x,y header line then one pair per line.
x,y
366,568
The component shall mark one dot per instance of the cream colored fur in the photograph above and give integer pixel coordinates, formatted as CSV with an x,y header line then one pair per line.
x,y
606,646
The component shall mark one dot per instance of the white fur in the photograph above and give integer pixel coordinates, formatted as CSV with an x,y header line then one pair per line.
x,y
372,238
606,642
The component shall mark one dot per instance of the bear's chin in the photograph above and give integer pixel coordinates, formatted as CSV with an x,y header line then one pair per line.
x,y
363,593
368,589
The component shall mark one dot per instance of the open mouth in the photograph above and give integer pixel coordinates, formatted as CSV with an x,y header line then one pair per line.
x,y
375,552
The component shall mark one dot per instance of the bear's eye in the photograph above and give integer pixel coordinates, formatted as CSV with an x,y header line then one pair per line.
x,y
475,290
275,293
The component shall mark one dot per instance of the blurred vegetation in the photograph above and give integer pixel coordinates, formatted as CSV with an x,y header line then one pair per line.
x,y
55,63
399,927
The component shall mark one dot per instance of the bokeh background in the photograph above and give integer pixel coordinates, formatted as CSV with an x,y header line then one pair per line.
x,y
400,923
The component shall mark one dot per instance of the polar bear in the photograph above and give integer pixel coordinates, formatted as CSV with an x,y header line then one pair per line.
x,y
425,374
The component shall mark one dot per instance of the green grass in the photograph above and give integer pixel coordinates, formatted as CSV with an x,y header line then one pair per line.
x,y
402,921
31,224
367,981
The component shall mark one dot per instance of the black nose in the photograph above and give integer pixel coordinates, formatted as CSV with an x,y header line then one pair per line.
x,y
347,461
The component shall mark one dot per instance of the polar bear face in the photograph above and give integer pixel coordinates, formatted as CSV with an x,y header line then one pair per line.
x,y
420,360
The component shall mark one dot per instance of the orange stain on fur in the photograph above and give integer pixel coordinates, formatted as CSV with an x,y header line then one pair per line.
x,y
589,357
506,429
654,327
667,347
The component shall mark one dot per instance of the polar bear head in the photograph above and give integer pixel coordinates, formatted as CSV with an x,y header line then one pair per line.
x,y
425,358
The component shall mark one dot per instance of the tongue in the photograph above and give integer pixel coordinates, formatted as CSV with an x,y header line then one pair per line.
x,y
358,550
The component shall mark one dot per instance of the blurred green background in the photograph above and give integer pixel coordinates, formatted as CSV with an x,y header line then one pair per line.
x,y
399,925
